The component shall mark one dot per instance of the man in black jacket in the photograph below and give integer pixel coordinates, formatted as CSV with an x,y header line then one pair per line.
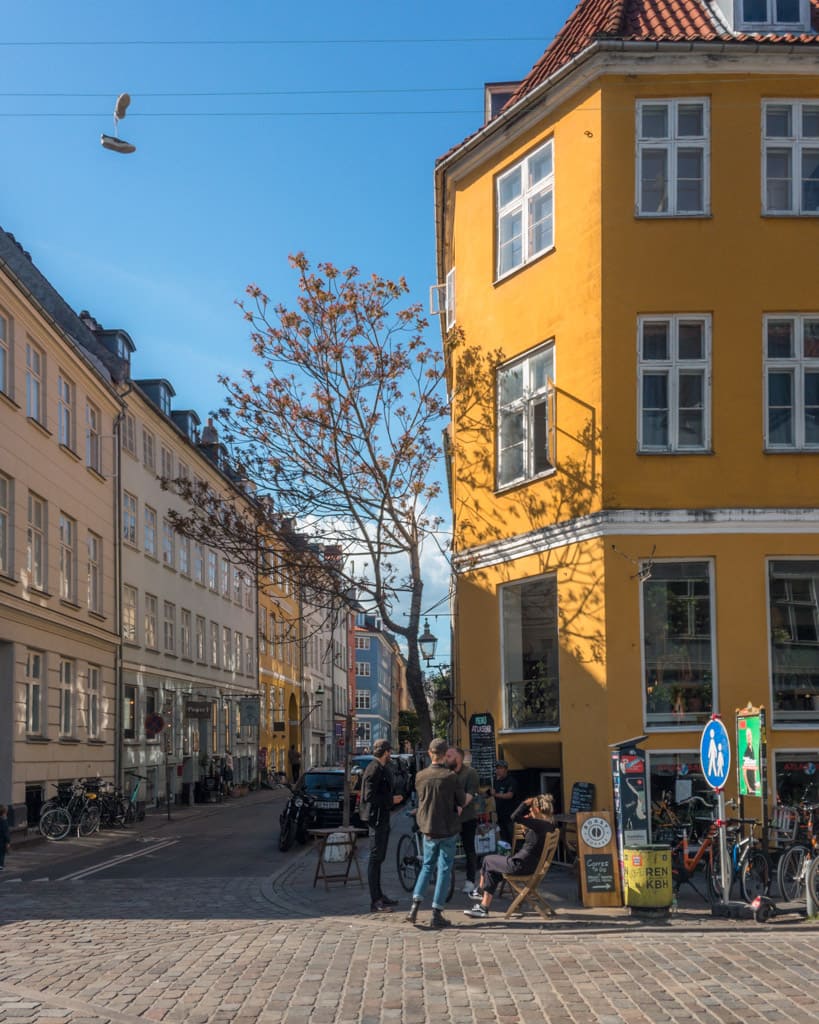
x,y
377,801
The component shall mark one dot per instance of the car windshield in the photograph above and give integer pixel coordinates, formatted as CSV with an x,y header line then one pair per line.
x,y
315,782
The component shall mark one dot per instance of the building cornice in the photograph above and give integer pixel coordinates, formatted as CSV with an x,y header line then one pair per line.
x,y
627,522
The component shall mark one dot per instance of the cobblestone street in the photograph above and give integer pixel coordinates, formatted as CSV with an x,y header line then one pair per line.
x,y
271,949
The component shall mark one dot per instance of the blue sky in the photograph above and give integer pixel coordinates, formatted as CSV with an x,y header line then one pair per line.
x,y
161,243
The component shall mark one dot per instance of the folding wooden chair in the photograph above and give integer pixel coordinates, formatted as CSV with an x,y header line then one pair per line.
x,y
526,886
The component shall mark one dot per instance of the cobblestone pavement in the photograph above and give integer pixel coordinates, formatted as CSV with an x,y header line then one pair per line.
x,y
275,949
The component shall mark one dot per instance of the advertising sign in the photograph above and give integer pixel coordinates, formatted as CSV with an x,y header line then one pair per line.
x,y
482,745
249,711
628,765
198,708
597,859
749,752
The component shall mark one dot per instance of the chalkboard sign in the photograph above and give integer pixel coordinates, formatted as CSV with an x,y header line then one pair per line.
x,y
599,871
582,797
482,746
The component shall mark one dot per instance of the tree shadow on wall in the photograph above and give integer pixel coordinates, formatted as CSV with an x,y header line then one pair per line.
x,y
521,514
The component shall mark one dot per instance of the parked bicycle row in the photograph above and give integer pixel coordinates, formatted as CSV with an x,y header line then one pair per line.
x,y
84,806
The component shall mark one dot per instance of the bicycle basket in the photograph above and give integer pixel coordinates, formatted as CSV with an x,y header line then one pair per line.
x,y
785,822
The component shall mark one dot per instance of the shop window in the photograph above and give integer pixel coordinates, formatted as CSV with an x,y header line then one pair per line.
x,y
797,780
530,654
678,644
673,779
129,712
794,610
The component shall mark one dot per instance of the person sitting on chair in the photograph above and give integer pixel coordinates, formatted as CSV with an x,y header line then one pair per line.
x,y
537,814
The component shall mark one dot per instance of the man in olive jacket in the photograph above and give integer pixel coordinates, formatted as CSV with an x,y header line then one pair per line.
x,y
469,818
440,799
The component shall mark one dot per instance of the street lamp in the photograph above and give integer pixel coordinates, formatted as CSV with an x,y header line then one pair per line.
x,y
427,643
319,692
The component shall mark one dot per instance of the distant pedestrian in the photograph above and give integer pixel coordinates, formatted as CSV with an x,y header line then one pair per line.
x,y
228,769
377,802
5,835
470,782
505,792
295,762
440,799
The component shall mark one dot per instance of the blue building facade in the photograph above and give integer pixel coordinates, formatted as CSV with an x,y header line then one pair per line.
x,y
375,653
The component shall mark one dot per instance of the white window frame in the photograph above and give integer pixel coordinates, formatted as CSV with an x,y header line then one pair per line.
x,y
213,571
520,205
198,563
151,622
95,578
130,518
771,22
249,659
227,649
671,144
797,367
362,643
165,462
129,434
363,669
673,367
65,411
526,407
6,369
363,732
35,676
238,652
168,545
130,614
35,383
149,528
184,555
201,639
148,450
93,448
68,674
363,699
169,626
94,693
6,535
213,638
37,542
185,631
797,144
224,578
449,299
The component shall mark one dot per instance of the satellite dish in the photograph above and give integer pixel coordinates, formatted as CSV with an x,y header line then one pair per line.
x,y
114,142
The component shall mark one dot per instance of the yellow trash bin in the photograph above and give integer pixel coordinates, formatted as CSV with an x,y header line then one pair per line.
x,y
648,877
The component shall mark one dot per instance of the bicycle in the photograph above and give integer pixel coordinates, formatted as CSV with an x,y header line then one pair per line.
x,y
794,863
750,865
410,858
132,811
689,857
81,813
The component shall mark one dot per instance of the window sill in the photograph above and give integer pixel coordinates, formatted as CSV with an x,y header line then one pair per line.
x,y
40,426
700,215
789,215
131,643
515,484
95,742
676,452
39,591
96,474
503,278
70,451
5,397
66,603
34,738
790,451
150,557
11,580
524,731
97,615
167,565
70,741
186,659
170,654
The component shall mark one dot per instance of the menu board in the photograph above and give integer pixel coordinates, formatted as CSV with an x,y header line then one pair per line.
x,y
482,746
582,797
597,856
599,871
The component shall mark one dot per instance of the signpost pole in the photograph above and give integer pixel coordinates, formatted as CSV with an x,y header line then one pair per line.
x,y
724,865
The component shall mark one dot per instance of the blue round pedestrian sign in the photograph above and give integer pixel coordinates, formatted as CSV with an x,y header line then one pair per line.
x,y
715,753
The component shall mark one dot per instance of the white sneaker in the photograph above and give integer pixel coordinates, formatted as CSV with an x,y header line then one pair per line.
x,y
468,887
475,894
477,911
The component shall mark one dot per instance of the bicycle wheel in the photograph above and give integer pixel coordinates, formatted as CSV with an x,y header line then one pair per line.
x,y
812,880
713,879
789,873
89,821
755,876
407,863
55,824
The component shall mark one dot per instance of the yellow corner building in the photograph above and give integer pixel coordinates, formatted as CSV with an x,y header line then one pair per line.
x,y
628,252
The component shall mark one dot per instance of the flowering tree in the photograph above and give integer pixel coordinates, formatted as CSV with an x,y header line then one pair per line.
x,y
337,425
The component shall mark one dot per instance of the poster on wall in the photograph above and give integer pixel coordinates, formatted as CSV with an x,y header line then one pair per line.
x,y
749,752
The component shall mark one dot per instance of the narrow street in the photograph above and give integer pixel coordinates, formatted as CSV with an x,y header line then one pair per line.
x,y
202,920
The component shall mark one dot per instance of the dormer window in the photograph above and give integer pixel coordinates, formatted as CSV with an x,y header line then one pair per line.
x,y
774,15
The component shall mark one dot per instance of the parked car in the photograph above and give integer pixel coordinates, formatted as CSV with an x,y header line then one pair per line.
x,y
325,787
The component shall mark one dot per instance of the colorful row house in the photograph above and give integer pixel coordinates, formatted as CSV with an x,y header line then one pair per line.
x,y
627,250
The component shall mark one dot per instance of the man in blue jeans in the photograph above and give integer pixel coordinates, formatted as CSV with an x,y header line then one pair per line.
x,y
441,797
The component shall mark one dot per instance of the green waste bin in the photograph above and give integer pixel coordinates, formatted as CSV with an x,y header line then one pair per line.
x,y
647,871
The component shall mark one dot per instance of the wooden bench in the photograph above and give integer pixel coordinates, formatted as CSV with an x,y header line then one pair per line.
x,y
526,886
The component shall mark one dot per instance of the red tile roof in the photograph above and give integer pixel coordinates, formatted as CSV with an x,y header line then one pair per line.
x,y
640,20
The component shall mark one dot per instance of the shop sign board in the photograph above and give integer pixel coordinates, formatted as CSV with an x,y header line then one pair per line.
x,y
198,708
582,797
249,711
749,751
715,753
482,746
597,856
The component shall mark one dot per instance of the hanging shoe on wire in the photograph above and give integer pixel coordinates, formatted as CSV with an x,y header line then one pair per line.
x,y
114,142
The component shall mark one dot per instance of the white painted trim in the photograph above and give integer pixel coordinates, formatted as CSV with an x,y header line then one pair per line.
x,y
648,522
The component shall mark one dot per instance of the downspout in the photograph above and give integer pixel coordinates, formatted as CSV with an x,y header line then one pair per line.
x,y
119,682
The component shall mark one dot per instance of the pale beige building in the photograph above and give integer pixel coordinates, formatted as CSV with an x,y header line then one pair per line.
x,y
58,604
